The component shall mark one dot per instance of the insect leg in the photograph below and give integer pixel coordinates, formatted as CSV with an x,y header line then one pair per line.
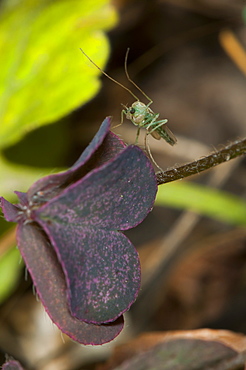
x,y
147,147
138,132
151,101
149,121
164,132
158,123
121,118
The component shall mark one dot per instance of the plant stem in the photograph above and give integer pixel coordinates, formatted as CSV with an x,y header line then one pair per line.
x,y
226,154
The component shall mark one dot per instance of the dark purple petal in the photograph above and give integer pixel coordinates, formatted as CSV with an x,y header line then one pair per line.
x,y
12,365
10,211
79,223
22,197
116,196
112,145
102,271
49,281
104,146
85,270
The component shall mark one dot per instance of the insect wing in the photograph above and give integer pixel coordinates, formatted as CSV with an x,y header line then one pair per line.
x,y
155,134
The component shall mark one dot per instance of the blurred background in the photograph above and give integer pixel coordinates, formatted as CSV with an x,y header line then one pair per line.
x,y
189,57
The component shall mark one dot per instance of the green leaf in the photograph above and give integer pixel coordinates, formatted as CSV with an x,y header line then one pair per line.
x,y
10,269
204,200
43,74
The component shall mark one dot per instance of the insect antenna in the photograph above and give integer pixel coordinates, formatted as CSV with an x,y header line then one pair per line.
x,y
130,80
111,78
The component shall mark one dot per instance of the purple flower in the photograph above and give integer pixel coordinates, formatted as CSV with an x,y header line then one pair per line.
x,y
86,272
12,365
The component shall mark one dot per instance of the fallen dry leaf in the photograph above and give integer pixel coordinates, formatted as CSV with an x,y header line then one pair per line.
x,y
181,350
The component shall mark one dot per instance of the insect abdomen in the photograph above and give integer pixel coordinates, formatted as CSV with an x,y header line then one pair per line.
x,y
167,135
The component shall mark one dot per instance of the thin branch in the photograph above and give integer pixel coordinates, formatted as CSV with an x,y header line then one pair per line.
x,y
224,155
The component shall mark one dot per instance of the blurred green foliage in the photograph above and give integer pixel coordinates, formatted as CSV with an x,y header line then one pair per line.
x,y
10,269
204,200
43,74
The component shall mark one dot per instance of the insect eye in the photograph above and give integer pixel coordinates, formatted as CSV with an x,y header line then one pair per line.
x,y
132,110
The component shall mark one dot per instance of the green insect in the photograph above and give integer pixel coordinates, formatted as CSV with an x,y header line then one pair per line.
x,y
139,113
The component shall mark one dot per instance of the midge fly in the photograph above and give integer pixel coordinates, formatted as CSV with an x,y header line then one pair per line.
x,y
139,113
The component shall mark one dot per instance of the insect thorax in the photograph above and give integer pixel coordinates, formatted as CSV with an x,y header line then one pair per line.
x,y
138,112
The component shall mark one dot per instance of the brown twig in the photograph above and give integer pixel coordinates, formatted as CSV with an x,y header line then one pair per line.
x,y
229,152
